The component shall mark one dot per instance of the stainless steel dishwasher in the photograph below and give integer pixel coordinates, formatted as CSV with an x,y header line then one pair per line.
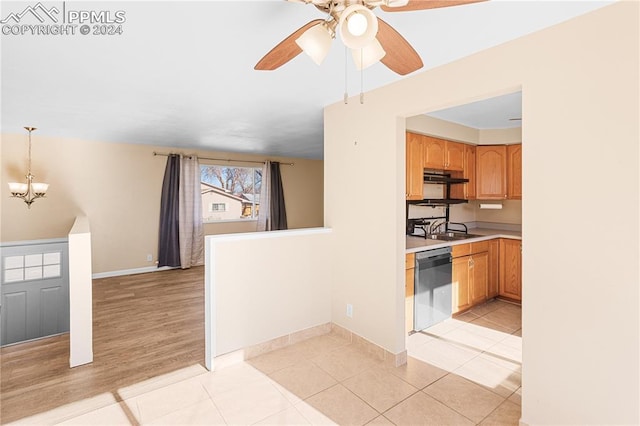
x,y
432,285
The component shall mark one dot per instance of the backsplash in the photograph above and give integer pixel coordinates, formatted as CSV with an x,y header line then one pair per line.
x,y
469,213
511,212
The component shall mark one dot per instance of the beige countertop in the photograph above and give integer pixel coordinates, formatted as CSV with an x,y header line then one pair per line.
x,y
415,244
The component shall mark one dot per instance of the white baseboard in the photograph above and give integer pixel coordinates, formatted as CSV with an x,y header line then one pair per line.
x,y
130,271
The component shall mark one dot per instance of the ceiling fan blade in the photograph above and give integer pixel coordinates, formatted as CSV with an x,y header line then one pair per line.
x,y
400,56
286,50
427,4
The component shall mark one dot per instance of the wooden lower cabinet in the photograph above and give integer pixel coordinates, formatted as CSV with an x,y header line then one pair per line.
x,y
493,282
470,276
511,269
480,271
460,279
478,274
409,290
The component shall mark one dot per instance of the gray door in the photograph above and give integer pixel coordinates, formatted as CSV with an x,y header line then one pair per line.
x,y
34,290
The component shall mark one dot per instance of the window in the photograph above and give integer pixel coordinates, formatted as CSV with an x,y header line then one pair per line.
x,y
230,193
32,267
218,207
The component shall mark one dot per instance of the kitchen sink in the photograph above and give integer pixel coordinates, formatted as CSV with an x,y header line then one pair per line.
x,y
451,236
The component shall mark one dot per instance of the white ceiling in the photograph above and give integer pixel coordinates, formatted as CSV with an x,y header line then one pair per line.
x,y
501,112
181,74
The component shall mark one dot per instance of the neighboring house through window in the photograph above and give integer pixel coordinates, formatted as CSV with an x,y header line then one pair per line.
x,y
218,207
230,193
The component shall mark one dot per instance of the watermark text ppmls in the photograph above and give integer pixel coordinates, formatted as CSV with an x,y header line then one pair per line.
x,y
61,18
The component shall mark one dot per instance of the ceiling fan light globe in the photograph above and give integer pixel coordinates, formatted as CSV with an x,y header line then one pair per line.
x,y
315,42
350,28
396,3
368,55
356,24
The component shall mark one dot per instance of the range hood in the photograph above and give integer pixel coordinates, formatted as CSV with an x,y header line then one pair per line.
x,y
437,178
437,202
440,179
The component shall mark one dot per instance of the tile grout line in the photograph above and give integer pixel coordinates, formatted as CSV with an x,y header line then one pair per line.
x,y
374,409
494,410
213,402
470,381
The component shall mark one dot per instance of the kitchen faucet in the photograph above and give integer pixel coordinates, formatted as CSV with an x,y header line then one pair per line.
x,y
466,230
435,226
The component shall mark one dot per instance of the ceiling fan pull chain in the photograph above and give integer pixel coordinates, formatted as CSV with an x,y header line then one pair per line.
x,y
361,80
346,96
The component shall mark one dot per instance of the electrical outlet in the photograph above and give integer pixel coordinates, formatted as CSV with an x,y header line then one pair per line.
x,y
149,258
349,310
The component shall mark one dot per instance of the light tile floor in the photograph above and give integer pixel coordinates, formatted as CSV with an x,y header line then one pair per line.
x,y
463,371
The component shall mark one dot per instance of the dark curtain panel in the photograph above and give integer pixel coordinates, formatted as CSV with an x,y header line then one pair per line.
x,y
278,213
169,244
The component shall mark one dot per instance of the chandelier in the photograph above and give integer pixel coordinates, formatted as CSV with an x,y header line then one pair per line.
x,y
29,191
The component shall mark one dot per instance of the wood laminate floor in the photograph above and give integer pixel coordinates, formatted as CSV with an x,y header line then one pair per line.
x,y
143,326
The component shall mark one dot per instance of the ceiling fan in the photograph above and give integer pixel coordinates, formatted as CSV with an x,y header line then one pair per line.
x,y
370,38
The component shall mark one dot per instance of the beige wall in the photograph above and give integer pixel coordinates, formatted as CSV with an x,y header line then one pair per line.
x,y
443,129
500,136
457,132
286,288
117,186
581,324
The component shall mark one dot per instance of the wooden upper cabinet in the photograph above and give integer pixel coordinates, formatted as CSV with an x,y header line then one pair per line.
x,y
441,154
454,156
514,172
491,172
511,268
434,153
470,172
415,170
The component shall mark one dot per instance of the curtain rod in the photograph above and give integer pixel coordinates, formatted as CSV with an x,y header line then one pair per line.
x,y
223,159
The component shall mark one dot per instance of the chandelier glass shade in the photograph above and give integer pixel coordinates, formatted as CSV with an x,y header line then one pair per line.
x,y
28,191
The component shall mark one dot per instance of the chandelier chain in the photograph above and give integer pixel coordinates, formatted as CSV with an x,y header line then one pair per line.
x,y
30,130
